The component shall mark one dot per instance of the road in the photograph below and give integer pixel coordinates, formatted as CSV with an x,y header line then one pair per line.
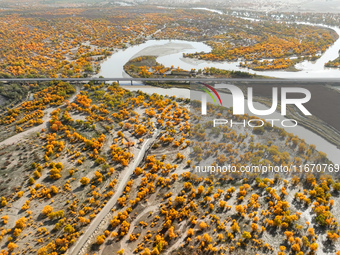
x,y
282,81
77,247
16,206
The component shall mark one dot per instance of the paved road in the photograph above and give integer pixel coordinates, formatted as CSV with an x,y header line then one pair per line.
x,y
297,81
76,248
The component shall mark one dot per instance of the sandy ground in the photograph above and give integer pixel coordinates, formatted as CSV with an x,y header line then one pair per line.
x,y
16,208
138,87
2,100
124,243
78,116
163,50
15,211
82,243
20,136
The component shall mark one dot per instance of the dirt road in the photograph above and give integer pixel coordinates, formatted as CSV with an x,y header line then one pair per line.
x,y
79,245
20,136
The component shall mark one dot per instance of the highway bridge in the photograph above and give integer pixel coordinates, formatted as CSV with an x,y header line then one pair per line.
x,y
140,81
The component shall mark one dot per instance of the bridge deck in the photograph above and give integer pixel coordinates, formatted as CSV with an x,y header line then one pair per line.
x,y
306,81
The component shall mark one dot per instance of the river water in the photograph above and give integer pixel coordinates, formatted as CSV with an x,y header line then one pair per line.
x,y
113,67
311,138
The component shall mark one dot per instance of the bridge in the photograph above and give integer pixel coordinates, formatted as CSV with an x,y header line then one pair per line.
x,y
141,81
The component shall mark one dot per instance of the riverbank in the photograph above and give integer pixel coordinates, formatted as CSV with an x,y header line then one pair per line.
x,y
148,67
314,130
313,123
163,50
325,125
323,107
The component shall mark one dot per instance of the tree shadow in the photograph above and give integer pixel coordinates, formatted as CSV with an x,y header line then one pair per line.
x,y
79,188
328,247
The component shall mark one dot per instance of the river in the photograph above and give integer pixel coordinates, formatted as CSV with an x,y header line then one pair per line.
x,y
113,67
311,138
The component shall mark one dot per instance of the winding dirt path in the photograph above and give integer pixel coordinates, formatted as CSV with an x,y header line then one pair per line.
x,y
20,136
80,245
16,205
